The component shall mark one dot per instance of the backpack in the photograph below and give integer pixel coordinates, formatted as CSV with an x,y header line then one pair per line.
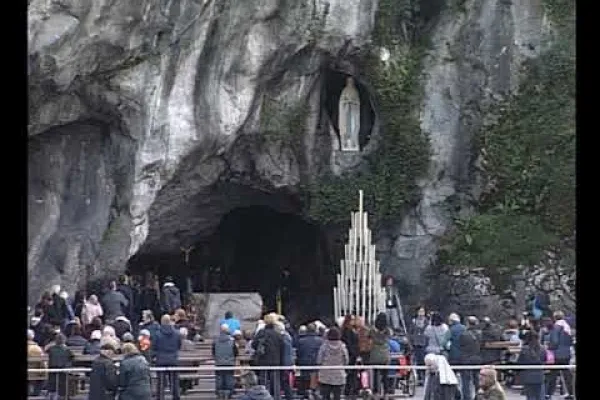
x,y
365,342
261,346
225,352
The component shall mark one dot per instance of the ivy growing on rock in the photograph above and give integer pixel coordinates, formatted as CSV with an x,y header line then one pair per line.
x,y
402,154
529,158
283,123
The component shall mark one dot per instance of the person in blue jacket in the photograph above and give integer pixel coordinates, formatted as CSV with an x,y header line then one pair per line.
x,y
452,339
231,322
166,345
307,350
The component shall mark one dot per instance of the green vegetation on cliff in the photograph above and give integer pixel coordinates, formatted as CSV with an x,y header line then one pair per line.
x,y
402,154
530,164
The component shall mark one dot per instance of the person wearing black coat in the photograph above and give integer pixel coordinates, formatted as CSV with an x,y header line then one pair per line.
x,y
113,303
350,339
532,354
134,375
103,377
149,299
127,291
51,313
490,333
268,348
165,347
59,356
469,343
171,297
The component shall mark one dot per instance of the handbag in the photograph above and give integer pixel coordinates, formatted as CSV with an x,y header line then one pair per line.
x,y
364,379
314,380
550,359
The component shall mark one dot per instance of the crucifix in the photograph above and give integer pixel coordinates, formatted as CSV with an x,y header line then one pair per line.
x,y
186,253
186,260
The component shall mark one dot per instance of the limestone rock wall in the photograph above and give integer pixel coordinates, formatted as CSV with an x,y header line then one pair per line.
x,y
183,82
147,119
475,62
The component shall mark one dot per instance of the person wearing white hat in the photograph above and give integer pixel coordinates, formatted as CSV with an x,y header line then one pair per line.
x,y
93,345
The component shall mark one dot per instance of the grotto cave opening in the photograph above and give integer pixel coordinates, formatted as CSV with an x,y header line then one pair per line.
x,y
333,84
248,251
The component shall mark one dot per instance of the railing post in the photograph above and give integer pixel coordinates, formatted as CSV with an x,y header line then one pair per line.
x,y
67,387
277,386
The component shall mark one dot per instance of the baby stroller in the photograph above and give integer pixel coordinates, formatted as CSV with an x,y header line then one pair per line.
x,y
402,378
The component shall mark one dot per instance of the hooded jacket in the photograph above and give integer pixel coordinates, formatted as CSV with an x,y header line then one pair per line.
x,y
90,311
171,298
134,378
308,348
333,352
271,347
166,346
224,350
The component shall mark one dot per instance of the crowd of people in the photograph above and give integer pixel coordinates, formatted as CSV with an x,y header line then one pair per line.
x,y
430,342
120,321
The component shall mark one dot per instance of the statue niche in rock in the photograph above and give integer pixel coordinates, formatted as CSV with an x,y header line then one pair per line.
x,y
349,117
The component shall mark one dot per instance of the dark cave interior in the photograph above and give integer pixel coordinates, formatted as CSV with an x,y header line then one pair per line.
x,y
249,252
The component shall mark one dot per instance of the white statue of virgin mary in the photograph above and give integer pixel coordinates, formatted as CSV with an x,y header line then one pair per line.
x,y
349,117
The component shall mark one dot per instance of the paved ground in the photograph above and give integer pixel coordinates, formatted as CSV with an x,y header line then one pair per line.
x,y
511,395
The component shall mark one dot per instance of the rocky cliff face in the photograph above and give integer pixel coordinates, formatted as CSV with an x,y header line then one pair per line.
x,y
474,64
150,120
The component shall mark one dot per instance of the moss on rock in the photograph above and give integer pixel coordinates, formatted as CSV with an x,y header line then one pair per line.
x,y
402,156
530,158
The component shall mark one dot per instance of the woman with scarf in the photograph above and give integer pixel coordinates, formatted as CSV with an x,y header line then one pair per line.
x,y
440,381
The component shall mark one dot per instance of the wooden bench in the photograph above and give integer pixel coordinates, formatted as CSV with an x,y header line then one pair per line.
x,y
511,347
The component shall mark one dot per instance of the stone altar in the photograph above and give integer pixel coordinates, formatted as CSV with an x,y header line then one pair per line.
x,y
247,307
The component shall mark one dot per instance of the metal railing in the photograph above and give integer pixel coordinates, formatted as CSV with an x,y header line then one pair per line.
x,y
320,367
67,381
